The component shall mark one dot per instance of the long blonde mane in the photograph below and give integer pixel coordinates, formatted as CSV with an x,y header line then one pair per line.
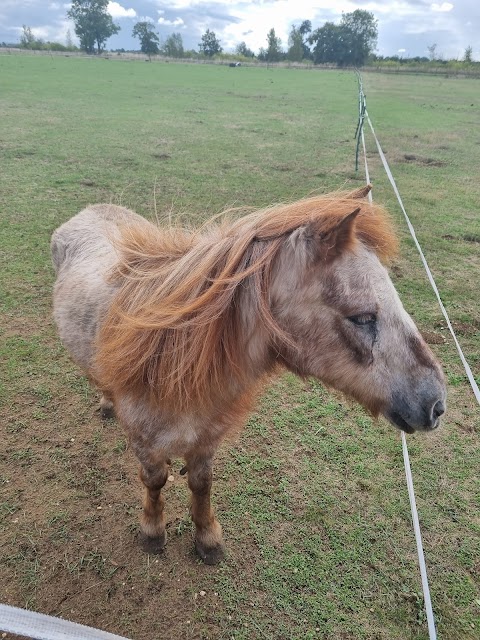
x,y
174,328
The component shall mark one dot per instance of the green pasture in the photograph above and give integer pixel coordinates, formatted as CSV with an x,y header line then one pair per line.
x,y
312,495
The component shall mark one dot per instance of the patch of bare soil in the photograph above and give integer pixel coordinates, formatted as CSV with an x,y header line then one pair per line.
x,y
471,237
462,328
431,337
69,514
427,162
161,156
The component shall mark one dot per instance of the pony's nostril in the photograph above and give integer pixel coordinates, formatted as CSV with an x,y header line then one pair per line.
x,y
438,409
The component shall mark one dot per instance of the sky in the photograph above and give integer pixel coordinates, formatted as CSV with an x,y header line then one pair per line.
x,y
406,27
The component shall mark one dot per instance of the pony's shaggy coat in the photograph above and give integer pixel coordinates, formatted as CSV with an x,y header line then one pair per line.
x,y
174,325
180,328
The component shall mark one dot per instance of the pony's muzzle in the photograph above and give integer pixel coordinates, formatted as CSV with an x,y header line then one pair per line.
x,y
425,418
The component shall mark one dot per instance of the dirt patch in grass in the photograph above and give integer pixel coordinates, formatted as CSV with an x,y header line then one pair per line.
x,y
471,237
431,337
427,162
161,156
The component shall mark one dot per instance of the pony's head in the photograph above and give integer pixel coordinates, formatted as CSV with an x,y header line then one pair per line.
x,y
333,298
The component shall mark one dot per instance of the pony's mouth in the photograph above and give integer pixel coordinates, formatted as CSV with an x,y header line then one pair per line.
x,y
402,424
399,422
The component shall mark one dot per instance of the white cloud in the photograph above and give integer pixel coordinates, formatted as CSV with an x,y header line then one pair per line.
x,y
178,22
441,8
117,11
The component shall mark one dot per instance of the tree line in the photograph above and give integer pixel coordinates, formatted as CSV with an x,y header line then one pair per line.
x,y
351,42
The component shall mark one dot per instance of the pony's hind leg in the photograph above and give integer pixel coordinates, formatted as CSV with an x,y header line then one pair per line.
x,y
208,532
154,475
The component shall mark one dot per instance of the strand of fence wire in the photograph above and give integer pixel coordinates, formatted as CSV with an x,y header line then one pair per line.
x,y
406,460
39,626
467,368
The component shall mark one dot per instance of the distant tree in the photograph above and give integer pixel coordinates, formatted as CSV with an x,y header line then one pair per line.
x,y
209,45
173,46
242,50
349,43
360,31
27,39
274,47
295,45
262,54
93,23
306,28
329,44
149,41
68,40
432,51
468,55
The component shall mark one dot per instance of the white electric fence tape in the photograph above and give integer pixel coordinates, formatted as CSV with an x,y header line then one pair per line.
x,y
406,460
470,377
42,627
418,538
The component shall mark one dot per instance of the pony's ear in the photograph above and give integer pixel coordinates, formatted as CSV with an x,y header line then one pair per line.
x,y
337,240
360,193
310,244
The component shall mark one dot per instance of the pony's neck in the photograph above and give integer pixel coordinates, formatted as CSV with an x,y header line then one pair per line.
x,y
255,351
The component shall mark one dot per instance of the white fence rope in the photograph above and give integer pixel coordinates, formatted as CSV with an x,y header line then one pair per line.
x,y
468,371
42,627
406,460
418,538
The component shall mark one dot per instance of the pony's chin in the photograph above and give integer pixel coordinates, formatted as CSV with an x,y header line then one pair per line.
x,y
396,419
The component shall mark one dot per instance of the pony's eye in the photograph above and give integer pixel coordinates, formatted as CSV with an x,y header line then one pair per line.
x,y
363,319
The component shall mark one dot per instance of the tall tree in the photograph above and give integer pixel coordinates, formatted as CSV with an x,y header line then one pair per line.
x,y
306,28
93,23
27,39
242,50
295,45
274,47
329,44
173,46
468,55
209,45
68,39
432,51
149,41
348,43
360,31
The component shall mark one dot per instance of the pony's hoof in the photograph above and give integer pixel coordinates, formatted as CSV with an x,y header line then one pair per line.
x,y
152,545
107,413
210,555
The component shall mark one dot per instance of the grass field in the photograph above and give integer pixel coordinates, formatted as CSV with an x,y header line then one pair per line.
x,y
312,495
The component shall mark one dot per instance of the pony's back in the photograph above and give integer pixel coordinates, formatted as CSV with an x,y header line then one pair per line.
x,y
90,233
83,255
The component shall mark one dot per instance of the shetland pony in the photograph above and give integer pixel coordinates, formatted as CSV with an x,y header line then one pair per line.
x,y
180,329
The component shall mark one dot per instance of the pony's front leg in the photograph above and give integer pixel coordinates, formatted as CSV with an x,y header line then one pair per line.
x,y
208,532
154,475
